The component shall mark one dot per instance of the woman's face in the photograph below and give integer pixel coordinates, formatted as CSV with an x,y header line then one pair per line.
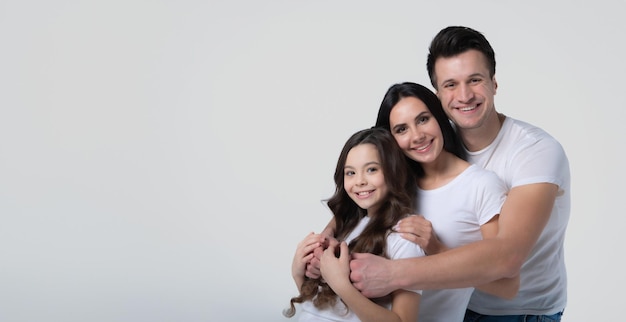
x,y
416,130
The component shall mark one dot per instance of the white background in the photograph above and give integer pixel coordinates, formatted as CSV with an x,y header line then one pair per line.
x,y
160,160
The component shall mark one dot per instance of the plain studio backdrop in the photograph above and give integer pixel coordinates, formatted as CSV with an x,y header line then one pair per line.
x,y
160,160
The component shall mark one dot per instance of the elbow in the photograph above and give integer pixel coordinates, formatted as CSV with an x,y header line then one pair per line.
x,y
512,265
512,290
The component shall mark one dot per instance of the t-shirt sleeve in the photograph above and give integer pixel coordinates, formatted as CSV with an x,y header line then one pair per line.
x,y
399,248
491,198
542,161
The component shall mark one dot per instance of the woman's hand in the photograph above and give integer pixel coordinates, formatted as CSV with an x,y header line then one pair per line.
x,y
419,230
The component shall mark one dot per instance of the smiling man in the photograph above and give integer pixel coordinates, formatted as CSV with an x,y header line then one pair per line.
x,y
531,230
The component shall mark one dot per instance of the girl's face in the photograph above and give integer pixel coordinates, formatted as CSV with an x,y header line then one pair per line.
x,y
416,130
363,176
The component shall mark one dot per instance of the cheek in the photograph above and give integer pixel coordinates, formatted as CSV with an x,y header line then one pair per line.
x,y
403,142
348,184
445,98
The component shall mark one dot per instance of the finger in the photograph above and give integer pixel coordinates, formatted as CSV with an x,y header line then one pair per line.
x,y
344,252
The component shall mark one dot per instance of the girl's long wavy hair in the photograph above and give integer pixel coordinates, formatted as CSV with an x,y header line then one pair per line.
x,y
399,202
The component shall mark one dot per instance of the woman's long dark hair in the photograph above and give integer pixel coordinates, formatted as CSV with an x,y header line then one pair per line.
x,y
399,202
451,139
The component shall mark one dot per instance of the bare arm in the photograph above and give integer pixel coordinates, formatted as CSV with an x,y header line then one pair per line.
x,y
524,215
419,230
505,287
336,272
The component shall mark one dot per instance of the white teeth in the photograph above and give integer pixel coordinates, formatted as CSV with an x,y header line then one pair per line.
x,y
468,108
363,193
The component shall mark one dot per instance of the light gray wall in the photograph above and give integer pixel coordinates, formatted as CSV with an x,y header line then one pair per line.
x,y
160,160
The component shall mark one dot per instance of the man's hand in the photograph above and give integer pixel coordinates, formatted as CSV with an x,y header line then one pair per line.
x,y
371,274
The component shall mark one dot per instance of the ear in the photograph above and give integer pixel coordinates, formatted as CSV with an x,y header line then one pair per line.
x,y
495,84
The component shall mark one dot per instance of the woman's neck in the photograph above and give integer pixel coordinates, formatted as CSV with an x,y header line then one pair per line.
x,y
438,173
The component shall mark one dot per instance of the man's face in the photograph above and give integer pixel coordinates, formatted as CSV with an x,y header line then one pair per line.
x,y
465,88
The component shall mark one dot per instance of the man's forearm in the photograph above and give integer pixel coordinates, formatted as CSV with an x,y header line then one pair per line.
x,y
474,264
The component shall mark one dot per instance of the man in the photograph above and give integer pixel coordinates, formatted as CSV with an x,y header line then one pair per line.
x,y
533,219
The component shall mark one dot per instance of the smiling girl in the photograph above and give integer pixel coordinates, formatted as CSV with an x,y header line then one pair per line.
x,y
374,188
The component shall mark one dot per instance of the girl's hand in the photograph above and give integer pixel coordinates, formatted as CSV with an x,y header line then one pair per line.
x,y
304,254
335,266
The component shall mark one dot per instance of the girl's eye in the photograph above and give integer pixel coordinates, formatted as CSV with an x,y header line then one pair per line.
x,y
422,120
349,173
372,169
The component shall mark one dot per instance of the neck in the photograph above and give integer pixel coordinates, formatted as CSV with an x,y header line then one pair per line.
x,y
441,171
479,138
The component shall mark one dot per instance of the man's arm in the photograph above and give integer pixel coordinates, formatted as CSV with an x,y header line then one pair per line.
x,y
524,215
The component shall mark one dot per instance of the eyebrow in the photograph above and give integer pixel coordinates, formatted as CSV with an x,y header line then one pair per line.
x,y
470,76
415,118
365,165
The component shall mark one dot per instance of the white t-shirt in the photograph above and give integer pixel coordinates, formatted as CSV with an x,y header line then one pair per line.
x,y
525,154
397,247
456,211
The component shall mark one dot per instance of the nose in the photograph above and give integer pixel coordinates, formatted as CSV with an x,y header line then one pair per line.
x,y
466,94
418,135
361,180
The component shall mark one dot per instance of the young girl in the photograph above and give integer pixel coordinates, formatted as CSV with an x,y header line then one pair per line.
x,y
374,189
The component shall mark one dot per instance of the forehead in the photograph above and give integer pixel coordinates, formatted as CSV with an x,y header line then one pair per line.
x,y
467,63
406,108
362,154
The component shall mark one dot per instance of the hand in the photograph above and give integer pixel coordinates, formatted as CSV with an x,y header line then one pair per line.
x,y
335,266
371,274
304,254
419,230
313,266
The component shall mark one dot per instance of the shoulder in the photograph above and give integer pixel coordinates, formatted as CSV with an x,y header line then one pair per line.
x,y
481,176
521,136
527,132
